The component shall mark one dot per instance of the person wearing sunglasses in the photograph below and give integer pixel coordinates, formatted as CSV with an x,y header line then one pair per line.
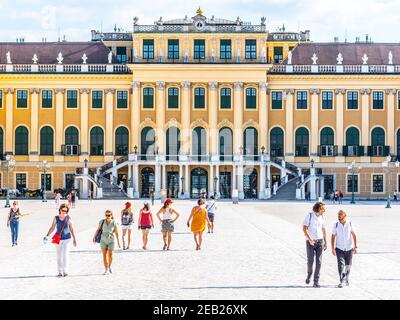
x,y
13,222
63,225
108,228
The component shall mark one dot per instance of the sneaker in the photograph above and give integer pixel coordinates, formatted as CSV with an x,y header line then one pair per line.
x,y
316,285
65,274
109,270
106,273
340,285
347,283
308,280
59,275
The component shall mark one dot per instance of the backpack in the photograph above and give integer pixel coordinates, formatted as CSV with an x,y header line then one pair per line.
x,y
126,219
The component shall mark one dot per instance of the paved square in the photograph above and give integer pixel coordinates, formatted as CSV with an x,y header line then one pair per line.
x,y
257,252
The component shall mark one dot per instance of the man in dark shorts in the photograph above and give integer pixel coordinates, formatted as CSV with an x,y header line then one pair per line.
x,y
211,209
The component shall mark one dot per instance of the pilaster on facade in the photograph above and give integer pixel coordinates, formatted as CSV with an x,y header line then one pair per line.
x,y
238,118
213,118
391,97
160,116
185,117
9,134
109,134
59,124
84,106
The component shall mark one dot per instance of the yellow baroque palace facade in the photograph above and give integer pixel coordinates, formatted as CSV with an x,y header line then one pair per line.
x,y
201,106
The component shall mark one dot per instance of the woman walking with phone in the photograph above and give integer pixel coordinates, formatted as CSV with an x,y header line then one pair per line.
x,y
145,223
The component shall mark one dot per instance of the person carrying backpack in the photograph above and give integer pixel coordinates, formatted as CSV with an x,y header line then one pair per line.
x,y
127,224
344,245
315,233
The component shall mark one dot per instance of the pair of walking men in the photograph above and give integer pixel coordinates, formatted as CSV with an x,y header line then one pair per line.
x,y
343,241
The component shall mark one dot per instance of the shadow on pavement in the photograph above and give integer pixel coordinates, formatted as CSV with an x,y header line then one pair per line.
x,y
259,287
42,277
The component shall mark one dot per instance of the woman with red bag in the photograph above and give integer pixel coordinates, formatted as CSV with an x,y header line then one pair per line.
x,y
62,238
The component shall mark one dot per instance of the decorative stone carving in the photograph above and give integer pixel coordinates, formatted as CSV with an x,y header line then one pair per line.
x,y
60,58
365,59
238,85
391,91
225,123
107,91
365,91
172,123
135,21
8,56
340,91
390,58
199,123
339,59
213,85
315,91
59,91
289,58
84,91
186,85
160,85
35,59
34,91
314,58
289,91
84,58
263,86
250,123
110,57
9,90
135,85
263,20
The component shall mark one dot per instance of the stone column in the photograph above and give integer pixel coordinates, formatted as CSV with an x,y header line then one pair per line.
x,y
185,118
59,157
157,181
261,193
391,94
109,135
164,177
160,116
238,118
217,190
84,133
289,125
187,180
135,116
340,95
314,134
180,183
365,117
130,186
211,175
136,193
234,178
240,182
34,130
9,133
263,114
268,195
213,120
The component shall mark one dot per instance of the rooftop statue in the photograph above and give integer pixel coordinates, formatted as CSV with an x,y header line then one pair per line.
x,y
314,58
339,58
8,55
289,57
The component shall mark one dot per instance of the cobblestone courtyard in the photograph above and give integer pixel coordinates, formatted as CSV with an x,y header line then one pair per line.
x,y
257,252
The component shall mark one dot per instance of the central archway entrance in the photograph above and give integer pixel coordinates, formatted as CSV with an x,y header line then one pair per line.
x,y
148,182
173,184
250,179
199,183
225,186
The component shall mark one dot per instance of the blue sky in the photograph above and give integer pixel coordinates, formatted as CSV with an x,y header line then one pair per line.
x,y
35,19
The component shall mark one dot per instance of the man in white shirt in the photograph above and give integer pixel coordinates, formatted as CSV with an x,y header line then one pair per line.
x,y
315,232
211,209
346,244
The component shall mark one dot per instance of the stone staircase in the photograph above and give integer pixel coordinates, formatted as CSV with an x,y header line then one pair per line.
x,y
111,191
287,192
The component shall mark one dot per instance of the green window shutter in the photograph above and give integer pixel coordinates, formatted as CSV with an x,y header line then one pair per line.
x,y
226,98
276,100
199,49
22,99
1,98
148,98
251,98
122,99
173,49
148,49
47,99
199,98
97,99
173,98
46,141
72,99
225,49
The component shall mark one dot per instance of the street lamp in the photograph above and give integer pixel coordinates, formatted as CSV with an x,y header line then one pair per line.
x,y
9,165
135,149
215,187
312,163
86,162
353,169
262,150
387,169
182,180
44,166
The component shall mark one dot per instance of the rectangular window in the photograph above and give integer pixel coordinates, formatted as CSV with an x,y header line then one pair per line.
x,y
97,99
225,49
377,183
398,100
226,98
121,54
173,49
251,98
173,98
350,183
199,98
278,54
1,98
327,100
46,185
148,98
20,181
47,99
148,49
352,100
302,99
69,181
72,99
276,100
377,97
251,49
199,49
122,99
22,99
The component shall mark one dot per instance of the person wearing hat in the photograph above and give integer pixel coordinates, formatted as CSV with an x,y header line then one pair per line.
x,y
145,223
127,224
167,222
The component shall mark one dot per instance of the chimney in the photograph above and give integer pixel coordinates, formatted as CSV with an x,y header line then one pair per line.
x,y
336,39
357,39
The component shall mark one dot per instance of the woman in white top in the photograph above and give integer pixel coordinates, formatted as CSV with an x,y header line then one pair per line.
x,y
167,222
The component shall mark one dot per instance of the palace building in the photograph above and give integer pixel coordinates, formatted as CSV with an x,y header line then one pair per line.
x,y
197,106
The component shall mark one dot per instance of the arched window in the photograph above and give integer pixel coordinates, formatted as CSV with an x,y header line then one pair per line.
x,y
173,143
398,143
199,142
352,147
96,141
327,147
378,137
148,182
226,144
378,148
121,141
250,139
1,143
71,147
276,142
46,141
302,142
147,142
21,141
